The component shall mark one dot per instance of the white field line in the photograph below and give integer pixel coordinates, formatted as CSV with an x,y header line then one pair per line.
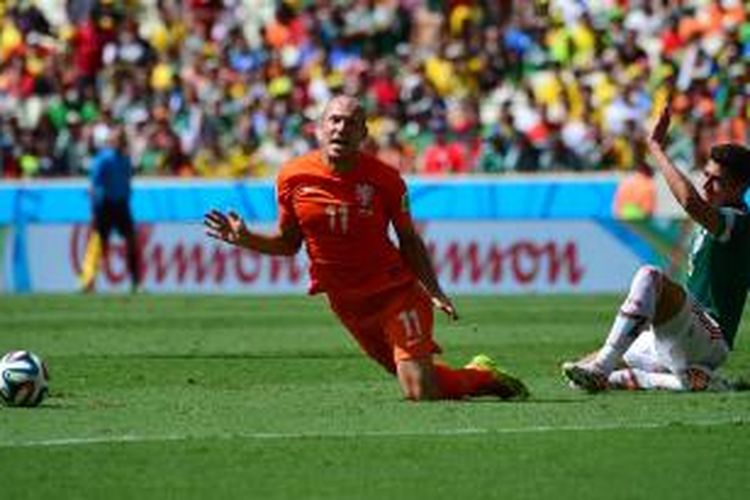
x,y
284,436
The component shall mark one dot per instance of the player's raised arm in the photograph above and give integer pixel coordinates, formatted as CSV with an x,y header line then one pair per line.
x,y
231,228
700,210
418,259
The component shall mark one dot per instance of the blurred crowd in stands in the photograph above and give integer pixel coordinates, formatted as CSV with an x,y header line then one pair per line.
x,y
232,88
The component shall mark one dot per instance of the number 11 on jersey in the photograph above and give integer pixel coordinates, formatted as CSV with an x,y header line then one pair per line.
x,y
410,321
338,218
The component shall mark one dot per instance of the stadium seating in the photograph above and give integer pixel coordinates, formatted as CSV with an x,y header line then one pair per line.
x,y
232,88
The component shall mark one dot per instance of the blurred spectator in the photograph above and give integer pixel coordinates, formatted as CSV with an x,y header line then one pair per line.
x,y
522,155
493,154
71,149
87,45
163,153
444,156
622,153
397,153
273,151
9,148
635,198
558,156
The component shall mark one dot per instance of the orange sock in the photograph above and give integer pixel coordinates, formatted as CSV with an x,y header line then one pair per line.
x,y
457,383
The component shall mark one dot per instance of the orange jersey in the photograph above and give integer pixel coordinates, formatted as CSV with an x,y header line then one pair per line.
x,y
344,220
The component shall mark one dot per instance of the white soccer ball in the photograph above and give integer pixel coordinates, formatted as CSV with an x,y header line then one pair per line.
x,y
24,379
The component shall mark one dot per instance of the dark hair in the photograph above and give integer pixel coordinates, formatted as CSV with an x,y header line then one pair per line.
x,y
735,158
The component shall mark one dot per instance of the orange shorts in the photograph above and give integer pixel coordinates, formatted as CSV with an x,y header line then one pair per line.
x,y
391,326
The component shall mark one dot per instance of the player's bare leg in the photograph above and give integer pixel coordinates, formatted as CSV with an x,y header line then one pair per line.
x,y
427,379
418,379
480,377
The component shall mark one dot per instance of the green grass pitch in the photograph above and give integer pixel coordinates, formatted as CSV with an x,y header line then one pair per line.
x,y
239,397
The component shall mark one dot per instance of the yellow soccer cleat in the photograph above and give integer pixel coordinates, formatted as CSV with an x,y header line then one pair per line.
x,y
508,386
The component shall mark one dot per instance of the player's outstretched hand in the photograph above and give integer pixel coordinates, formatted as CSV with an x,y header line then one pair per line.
x,y
229,227
442,302
659,130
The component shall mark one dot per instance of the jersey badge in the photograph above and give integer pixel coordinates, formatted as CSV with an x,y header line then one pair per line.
x,y
364,193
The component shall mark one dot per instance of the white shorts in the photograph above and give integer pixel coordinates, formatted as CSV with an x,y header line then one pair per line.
x,y
690,339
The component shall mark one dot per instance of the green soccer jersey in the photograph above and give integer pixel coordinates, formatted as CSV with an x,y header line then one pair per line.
x,y
719,272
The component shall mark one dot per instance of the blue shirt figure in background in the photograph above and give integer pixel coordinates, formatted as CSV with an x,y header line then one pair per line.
x,y
111,173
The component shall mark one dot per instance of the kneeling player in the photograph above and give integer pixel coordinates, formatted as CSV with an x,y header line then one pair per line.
x,y
670,336
341,203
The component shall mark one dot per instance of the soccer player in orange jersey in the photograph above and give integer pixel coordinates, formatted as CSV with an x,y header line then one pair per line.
x,y
341,202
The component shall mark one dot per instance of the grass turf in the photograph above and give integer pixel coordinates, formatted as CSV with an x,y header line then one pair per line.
x,y
191,397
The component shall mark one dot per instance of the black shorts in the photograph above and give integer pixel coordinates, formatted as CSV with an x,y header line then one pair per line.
x,y
113,215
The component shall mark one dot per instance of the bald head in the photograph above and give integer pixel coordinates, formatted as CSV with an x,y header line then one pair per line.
x,y
341,130
344,104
